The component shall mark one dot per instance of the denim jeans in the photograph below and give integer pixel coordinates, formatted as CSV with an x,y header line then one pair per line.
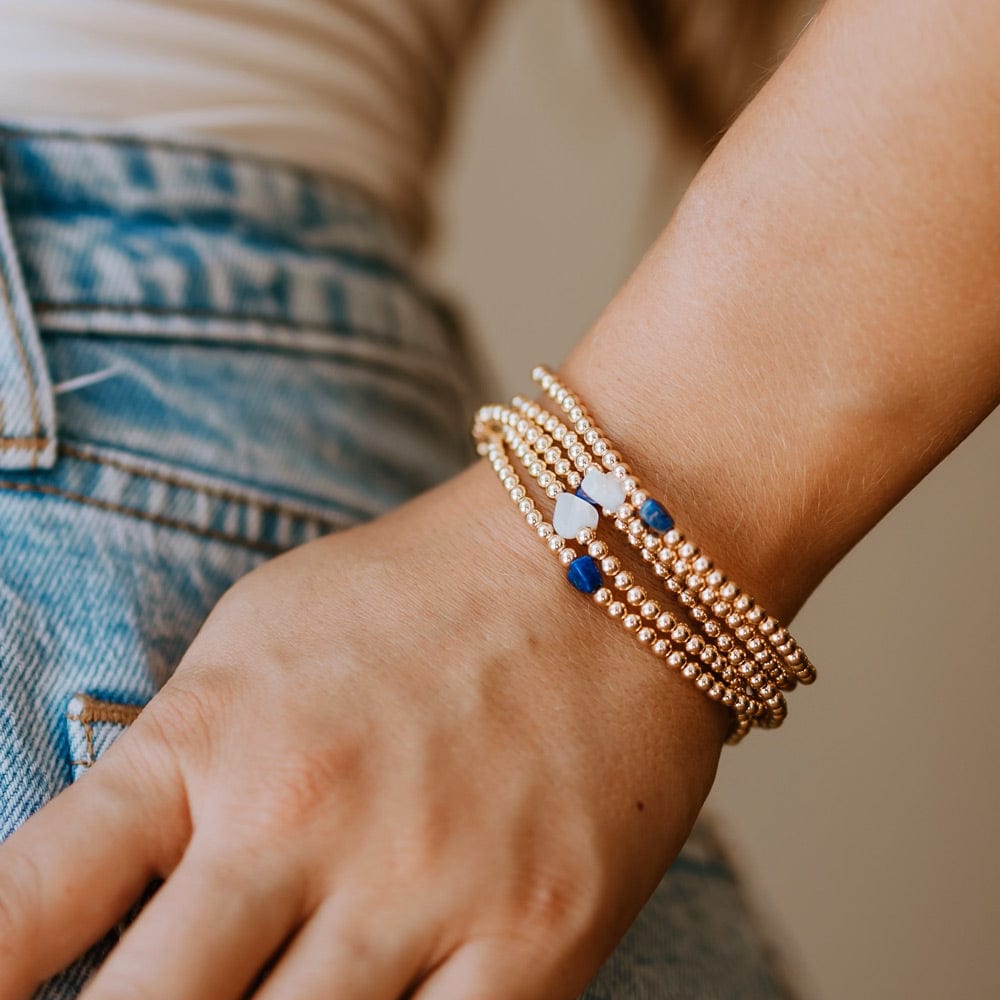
x,y
206,359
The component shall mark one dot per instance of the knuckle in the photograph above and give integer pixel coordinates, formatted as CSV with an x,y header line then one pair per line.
x,y
292,789
563,900
177,722
549,902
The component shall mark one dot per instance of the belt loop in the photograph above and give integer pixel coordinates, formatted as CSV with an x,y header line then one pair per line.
x,y
27,403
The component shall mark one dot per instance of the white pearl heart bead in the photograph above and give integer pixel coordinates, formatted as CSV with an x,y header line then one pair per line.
x,y
572,515
604,488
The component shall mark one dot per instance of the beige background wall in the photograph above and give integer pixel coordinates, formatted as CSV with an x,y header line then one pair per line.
x,y
877,858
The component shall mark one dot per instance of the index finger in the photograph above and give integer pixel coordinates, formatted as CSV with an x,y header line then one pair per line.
x,y
75,867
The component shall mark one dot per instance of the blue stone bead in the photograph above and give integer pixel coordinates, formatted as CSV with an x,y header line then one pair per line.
x,y
654,514
583,496
584,574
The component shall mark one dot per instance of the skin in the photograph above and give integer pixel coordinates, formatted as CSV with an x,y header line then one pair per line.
x,y
410,753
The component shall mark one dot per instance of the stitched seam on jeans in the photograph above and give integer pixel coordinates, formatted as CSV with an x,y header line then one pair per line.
x,y
271,548
116,713
217,492
392,357
89,736
36,421
89,733
34,443
189,312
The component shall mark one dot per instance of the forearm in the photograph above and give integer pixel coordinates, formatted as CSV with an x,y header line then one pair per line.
x,y
817,326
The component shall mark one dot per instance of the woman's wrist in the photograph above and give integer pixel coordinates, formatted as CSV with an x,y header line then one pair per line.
x,y
554,619
517,594
816,328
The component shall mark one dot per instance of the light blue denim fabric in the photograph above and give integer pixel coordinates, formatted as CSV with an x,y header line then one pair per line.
x,y
276,372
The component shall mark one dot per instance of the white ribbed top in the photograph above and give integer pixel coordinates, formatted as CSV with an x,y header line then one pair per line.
x,y
352,88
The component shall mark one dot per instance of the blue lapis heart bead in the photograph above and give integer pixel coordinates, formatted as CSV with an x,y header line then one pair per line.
x,y
655,516
584,574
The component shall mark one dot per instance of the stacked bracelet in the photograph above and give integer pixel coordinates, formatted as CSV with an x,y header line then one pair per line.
x,y
730,648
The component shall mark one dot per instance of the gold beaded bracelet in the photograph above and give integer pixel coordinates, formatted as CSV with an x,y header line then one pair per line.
x,y
741,609
743,657
661,630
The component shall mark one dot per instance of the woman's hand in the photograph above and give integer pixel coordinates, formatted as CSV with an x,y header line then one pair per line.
x,y
409,755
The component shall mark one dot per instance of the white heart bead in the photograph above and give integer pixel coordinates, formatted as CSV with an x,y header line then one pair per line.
x,y
572,515
604,488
